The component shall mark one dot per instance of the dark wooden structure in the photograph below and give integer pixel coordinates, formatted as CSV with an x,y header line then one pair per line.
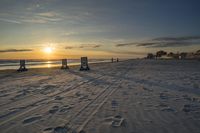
x,y
84,64
112,60
22,66
64,64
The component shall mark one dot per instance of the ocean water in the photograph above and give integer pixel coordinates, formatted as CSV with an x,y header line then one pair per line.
x,y
14,64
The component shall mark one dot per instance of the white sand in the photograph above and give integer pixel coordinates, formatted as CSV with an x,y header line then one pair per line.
x,y
136,96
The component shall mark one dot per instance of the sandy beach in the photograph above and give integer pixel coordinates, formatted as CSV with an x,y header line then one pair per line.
x,y
133,96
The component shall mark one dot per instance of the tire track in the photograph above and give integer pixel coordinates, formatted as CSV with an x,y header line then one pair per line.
x,y
47,100
84,116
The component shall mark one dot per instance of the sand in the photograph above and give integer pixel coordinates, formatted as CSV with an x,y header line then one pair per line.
x,y
134,96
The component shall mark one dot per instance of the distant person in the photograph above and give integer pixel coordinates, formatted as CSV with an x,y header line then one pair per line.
x,y
112,60
117,60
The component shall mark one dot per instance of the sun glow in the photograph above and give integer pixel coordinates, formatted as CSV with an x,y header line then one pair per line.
x,y
48,50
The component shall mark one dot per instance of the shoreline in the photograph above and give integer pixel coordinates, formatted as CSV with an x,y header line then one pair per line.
x,y
101,62
47,70
53,67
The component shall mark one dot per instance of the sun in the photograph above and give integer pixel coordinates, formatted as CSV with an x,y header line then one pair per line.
x,y
48,50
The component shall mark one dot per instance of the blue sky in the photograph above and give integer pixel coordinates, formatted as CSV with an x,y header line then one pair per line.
x,y
99,26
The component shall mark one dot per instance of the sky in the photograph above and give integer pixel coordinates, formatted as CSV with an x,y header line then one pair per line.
x,y
97,28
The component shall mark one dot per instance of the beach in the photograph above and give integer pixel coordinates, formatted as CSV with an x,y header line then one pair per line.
x,y
132,96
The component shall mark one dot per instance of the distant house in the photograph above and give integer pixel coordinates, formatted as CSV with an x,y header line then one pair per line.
x,y
165,57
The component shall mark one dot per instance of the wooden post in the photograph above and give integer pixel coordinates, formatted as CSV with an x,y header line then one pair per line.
x,y
84,64
22,66
64,64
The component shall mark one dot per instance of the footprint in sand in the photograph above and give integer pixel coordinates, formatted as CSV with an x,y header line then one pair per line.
x,y
47,89
191,108
147,89
54,109
59,129
193,99
115,121
4,95
164,96
58,98
65,108
168,109
114,103
19,95
31,119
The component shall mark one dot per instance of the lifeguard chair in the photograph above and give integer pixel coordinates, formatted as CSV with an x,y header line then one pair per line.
x,y
64,64
84,64
22,67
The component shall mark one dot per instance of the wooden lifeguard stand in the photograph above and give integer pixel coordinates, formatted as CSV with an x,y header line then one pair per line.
x,y
22,67
84,64
64,64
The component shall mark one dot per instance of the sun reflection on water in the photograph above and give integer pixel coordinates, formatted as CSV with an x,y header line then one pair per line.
x,y
49,64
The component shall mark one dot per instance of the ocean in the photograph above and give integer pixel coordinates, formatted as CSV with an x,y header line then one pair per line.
x,y
14,64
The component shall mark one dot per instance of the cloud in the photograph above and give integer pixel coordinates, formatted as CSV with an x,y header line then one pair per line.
x,y
165,42
15,50
82,46
135,44
31,17
184,38
47,14
97,46
42,17
125,44
90,46
69,47
147,44
10,21
128,52
172,44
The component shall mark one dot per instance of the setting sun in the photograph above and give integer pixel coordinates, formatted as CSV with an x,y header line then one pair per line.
x,y
48,50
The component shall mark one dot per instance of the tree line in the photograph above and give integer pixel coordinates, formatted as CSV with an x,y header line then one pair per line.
x,y
170,55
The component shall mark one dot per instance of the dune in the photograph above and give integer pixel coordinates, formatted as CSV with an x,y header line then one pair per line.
x,y
132,96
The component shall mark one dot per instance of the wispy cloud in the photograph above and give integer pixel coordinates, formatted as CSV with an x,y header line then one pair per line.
x,y
10,21
97,46
15,50
165,42
183,38
31,17
125,44
82,46
135,43
48,14
90,46
42,17
69,47
127,52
